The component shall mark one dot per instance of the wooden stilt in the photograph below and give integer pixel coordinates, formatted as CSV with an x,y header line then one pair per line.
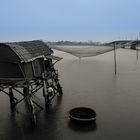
x,y
45,93
59,88
24,94
44,85
30,106
12,101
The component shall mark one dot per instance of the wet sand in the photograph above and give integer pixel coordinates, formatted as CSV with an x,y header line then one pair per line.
x,y
88,82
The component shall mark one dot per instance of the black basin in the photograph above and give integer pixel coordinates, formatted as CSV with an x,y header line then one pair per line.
x,y
83,114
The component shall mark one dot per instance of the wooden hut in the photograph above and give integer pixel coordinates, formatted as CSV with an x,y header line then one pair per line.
x,y
28,65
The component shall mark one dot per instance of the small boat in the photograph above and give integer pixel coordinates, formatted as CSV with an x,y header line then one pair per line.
x,y
83,114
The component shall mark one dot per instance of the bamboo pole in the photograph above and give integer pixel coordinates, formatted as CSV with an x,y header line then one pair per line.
x,y
137,55
115,57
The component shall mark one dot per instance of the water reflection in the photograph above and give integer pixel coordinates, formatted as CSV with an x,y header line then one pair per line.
x,y
82,127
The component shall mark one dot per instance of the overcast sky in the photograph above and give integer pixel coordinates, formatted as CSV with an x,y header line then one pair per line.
x,y
77,20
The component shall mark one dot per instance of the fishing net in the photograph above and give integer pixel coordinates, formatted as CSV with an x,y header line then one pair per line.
x,y
84,51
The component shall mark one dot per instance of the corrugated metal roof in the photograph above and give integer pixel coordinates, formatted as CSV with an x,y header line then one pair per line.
x,y
30,50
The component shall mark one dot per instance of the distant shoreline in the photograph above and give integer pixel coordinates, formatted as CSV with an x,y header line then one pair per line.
x,y
69,43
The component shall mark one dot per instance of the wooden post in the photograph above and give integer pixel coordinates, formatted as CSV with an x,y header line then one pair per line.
x,y
43,78
137,51
45,93
30,106
12,101
44,85
26,91
115,58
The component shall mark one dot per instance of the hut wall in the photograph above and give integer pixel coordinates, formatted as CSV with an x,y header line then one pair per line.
x,y
27,69
33,69
48,64
10,70
38,67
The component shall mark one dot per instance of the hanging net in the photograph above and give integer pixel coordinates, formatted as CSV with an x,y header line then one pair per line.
x,y
84,51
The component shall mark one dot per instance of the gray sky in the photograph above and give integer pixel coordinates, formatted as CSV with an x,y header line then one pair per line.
x,y
77,20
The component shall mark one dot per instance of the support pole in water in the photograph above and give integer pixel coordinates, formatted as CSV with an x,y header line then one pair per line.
x,y
137,55
30,105
115,57
12,101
